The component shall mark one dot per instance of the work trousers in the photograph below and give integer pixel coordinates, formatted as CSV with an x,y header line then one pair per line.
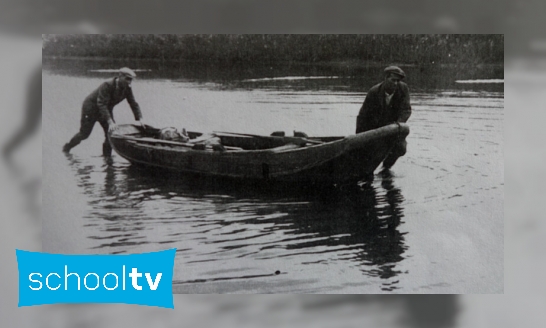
x,y
89,117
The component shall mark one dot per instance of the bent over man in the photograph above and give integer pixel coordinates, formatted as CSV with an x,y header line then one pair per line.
x,y
386,103
99,106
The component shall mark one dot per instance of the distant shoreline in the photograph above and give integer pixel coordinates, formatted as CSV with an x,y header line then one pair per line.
x,y
350,64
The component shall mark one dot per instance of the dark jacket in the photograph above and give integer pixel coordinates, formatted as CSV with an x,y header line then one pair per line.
x,y
375,113
101,102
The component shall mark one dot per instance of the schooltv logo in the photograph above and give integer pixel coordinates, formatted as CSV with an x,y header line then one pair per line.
x,y
144,279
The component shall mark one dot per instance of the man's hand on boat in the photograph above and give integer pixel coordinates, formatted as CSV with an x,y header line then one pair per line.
x,y
112,127
142,123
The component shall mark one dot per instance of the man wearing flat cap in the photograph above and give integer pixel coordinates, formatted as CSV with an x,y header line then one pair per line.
x,y
386,103
99,106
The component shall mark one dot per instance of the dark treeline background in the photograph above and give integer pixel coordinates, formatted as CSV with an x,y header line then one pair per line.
x,y
271,49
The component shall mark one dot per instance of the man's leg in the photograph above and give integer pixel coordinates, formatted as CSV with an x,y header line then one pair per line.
x,y
86,126
106,148
397,151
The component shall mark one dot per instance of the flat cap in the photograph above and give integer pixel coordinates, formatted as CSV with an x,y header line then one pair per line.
x,y
395,70
126,71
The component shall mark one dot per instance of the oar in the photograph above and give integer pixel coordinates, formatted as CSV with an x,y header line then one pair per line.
x,y
289,139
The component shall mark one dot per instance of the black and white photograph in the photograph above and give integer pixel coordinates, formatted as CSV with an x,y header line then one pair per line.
x,y
280,163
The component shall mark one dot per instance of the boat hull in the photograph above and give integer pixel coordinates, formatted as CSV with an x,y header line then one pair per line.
x,y
350,158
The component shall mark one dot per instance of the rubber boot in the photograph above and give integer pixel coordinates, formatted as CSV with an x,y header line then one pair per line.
x,y
106,149
76,139
390,160
66,148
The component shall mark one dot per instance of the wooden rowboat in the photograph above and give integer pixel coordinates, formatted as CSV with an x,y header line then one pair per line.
x,y
266,158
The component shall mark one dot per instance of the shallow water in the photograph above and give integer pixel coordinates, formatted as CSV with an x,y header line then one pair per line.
x,y
433,225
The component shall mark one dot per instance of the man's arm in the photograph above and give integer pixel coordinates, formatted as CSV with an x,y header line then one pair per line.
x,y
365,119
362,117
103,100
405,107
134,105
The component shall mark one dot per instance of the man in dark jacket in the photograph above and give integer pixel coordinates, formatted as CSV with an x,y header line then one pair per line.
x,y
99,106
386,103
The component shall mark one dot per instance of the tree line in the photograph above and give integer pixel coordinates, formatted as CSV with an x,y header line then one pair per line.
x,y
269,49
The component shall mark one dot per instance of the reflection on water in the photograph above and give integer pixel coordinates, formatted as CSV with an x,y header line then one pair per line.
x,y
227,219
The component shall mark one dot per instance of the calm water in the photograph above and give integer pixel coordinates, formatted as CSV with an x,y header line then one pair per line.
x,y
434,225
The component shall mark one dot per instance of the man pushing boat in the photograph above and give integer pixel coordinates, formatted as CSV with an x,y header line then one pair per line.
x,y
386,103
99,106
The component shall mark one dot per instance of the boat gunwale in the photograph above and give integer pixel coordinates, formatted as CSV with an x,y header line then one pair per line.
x,y
335,149
185,147
182,147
